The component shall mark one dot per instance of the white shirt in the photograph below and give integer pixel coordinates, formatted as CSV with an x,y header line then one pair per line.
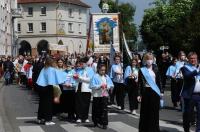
x,y
100,92
197,86
152,74
85,82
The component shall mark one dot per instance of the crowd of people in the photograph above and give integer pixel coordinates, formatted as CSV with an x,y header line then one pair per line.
x,y
67,84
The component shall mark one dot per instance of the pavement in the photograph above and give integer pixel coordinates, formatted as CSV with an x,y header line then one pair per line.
x,y
18,112
4,122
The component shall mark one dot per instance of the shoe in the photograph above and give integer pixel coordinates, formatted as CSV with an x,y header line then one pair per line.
x,y
119,107
95,124
134,112
193,123
78,121
40,121
87,121
49,123
104,126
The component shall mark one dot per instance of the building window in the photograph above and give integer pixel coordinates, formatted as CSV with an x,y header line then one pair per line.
x,y
70,27
30,27
79,13
30,11
43,27
19,27
79,28
70,13
43,11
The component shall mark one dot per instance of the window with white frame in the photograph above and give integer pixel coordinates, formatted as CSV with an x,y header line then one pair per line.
x,y
43,11
70,12
70,27
30,27
30,11
43,27
19,27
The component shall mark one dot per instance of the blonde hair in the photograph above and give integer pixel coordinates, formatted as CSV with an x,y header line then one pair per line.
x,y
147,56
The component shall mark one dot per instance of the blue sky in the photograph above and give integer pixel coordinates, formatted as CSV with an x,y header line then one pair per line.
x,y
140,6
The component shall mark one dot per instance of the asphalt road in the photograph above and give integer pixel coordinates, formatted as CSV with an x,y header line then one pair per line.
x,y
18,107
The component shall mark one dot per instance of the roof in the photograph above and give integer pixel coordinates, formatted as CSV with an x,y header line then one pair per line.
x,y
74,2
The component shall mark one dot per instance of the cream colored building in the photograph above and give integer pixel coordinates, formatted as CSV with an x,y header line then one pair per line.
x,y
52,25
8,13
5,27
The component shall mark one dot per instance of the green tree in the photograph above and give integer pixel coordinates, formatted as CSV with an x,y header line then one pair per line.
x,y
166,23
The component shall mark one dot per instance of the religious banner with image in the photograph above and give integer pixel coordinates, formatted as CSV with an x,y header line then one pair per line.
x,y
105,31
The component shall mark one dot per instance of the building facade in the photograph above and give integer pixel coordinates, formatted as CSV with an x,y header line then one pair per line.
x,y
5,27
52,26
8,13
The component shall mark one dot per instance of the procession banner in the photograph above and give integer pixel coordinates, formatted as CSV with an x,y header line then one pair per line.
x,y
105,32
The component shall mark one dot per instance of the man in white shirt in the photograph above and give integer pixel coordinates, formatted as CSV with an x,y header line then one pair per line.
x,y
191,90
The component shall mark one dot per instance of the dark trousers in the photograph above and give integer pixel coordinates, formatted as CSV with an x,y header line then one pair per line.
x,y
7,81
149,112
163,79
112,94
23,79
179,85
82,104
45,103
100,110
68,102
188,110
174,92
132,90
119,91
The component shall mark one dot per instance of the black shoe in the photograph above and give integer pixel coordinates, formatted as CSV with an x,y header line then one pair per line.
x,y
175,104
95,124
104,126
193,123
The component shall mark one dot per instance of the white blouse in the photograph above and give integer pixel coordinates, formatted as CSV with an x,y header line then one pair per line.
x,y
153,76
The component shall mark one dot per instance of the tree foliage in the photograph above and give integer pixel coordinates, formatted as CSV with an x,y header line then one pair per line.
x,y
173,23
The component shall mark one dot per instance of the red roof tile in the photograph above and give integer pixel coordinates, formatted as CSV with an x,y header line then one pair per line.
x,y
74,2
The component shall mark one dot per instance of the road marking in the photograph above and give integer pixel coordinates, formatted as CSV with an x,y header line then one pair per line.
x,y
30,129
166,124
29,118
109,114
134,116
34,117
75,128
26,118
120,127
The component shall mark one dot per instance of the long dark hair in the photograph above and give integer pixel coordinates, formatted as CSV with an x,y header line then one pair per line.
x,y
137,63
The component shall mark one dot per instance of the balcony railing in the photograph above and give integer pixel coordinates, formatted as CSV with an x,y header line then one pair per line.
x,y
16,13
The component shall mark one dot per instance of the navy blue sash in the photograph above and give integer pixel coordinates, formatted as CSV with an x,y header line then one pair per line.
x,y
192,68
